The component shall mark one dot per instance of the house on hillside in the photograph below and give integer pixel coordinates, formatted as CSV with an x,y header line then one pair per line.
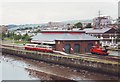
x,y
4,28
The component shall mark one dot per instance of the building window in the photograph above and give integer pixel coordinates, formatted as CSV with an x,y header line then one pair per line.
x,y
67,48
76,48
89,46
85,50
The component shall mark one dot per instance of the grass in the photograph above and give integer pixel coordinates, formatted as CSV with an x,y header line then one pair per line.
x,y
15,41
7,39
21,42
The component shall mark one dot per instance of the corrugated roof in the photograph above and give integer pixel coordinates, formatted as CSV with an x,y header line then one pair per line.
x,y
92,30
65,36
74,30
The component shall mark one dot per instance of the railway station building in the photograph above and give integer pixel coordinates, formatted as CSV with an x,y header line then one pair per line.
x,y
66,41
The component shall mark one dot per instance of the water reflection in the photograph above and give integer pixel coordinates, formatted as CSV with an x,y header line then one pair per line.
x,y
14,69
12,72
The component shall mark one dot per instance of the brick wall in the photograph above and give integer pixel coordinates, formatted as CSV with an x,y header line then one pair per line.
x,y
83,45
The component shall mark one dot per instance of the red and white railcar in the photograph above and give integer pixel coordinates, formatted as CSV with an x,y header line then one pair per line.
x,y
36,47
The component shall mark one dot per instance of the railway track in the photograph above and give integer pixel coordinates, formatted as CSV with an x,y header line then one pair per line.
x,y
89,56
110,58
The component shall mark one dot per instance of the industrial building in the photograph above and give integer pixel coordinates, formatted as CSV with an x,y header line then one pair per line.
x,y
67,41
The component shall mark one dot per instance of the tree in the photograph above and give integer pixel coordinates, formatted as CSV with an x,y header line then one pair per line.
x,y
9,34
37,31
12,35
88,25
17,37
3,36
78,25
26,37
30,27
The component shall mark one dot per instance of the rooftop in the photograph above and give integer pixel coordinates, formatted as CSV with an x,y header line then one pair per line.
x,y
92,30
63,31
65,36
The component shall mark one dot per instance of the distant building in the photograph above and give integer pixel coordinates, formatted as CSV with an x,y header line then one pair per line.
x,y
102,21
118,14
119,9
54,25
67,41
107,36
57,26
3,28
118,20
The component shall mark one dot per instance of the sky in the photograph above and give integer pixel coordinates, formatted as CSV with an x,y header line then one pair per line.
x,y
36,12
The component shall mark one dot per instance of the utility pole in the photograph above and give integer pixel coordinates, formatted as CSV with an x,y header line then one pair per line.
x,y
99,19
99,13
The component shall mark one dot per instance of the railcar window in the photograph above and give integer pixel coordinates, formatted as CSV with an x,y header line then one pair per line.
x,y
43,46
31,45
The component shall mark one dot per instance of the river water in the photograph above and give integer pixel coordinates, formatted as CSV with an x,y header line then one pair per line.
x,y
14,68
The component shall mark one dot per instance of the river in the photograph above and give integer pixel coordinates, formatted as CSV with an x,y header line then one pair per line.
x,y
14,70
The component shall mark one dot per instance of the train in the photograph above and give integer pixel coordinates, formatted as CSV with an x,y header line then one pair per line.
x,y
99,51
48,49
43,48
36,47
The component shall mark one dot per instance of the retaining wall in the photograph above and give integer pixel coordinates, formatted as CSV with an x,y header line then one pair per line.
x,y
80,63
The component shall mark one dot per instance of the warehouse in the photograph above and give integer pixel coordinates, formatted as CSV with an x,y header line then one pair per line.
x,y
67,42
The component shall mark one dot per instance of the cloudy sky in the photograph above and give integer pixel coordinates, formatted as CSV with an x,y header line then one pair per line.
x,y
40,12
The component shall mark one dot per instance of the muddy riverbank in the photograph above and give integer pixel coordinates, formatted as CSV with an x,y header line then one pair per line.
x,y
55,70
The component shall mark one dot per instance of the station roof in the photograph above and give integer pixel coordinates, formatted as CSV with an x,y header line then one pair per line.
x,y
41,37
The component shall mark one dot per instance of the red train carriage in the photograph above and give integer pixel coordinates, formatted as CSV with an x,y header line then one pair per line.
x,y
99,51
36,47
